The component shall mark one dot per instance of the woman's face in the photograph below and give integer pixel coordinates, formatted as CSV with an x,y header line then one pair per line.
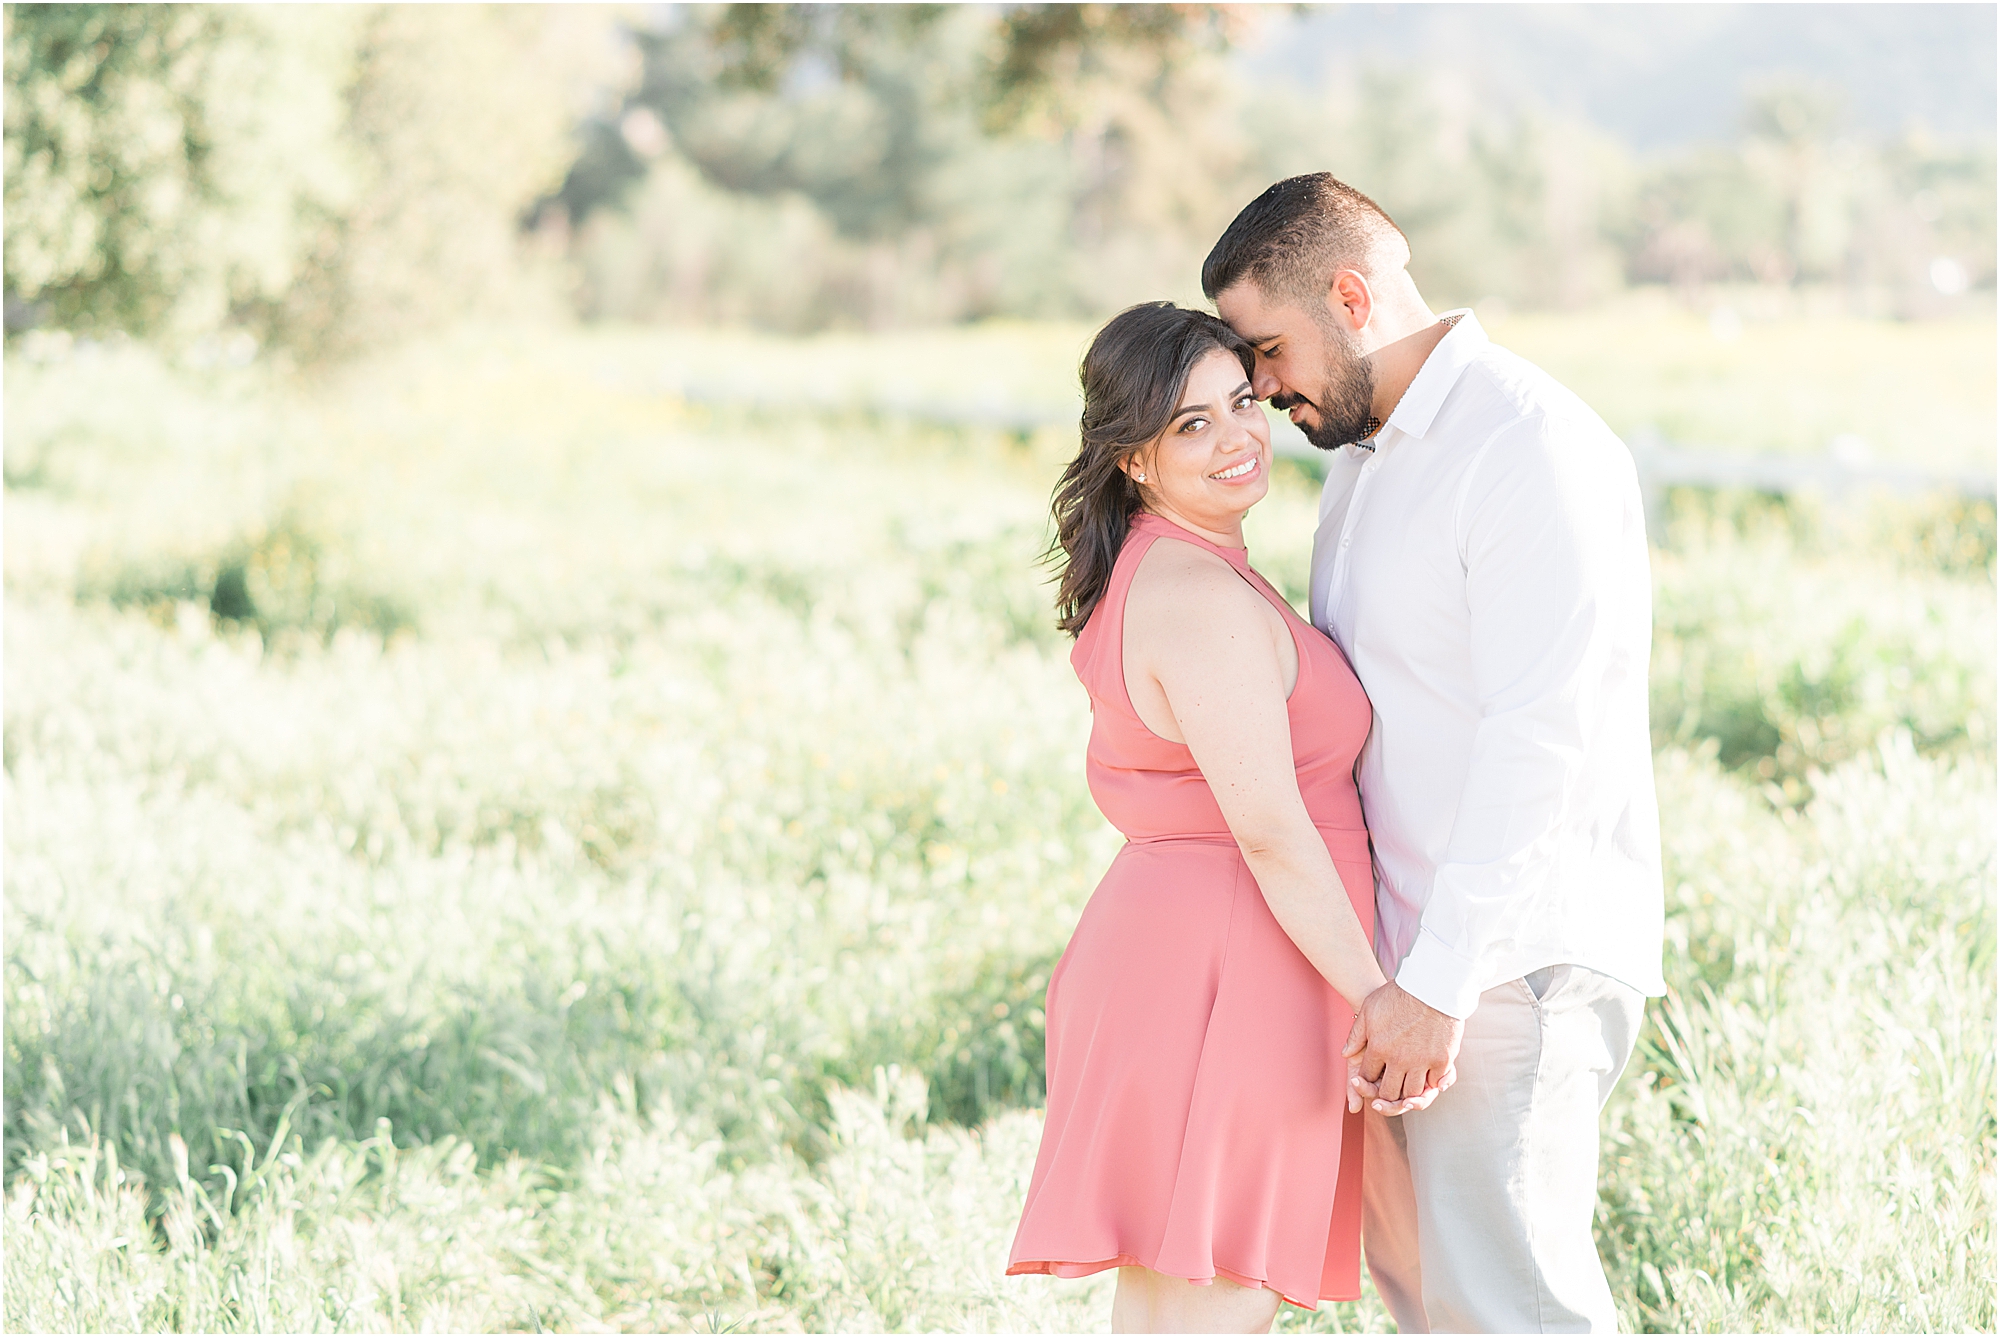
x,y
1213,462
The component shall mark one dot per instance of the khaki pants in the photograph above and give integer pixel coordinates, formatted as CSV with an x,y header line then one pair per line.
x,y
1476,1212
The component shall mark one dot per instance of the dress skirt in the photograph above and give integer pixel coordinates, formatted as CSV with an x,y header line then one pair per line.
x,y
1197,1120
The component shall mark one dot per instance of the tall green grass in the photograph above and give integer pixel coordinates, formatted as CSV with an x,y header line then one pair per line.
x,y
492,844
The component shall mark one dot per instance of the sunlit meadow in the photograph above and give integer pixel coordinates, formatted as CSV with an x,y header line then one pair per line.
x,y
569,831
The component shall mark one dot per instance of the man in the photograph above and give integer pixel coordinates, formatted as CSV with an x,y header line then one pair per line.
x,y
1481,558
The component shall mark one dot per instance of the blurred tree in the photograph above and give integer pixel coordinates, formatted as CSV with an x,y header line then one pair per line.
x,y
927,162
1899,226
1004,66
892,204
459,118
152,182
324,175
1049,53
332,177
1519,208
1793,143
1924,226
1706,216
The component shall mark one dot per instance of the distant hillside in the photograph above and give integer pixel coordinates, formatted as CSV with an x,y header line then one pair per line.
x,y
1662,76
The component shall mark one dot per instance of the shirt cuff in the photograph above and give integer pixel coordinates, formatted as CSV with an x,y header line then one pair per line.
x,y
1438,977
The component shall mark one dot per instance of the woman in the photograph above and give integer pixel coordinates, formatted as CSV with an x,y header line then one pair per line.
x,y
1200,1127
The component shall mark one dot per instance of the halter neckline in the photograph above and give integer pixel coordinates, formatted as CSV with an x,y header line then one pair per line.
x,y
1159,524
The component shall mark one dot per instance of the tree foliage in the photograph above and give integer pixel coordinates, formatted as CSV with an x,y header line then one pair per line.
x,y
993,70
323,175
1048,49
333,177
811,165
149,186
1799,199
459,118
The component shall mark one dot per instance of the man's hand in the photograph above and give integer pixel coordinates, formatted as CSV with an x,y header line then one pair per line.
x,y
1401,1052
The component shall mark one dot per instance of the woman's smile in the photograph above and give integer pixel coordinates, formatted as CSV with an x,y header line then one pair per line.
x,y
1218,436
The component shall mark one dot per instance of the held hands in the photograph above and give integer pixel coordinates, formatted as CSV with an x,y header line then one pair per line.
x,y
1401,1052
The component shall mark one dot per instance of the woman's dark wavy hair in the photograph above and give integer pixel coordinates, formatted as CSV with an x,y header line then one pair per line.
x,y
1133,377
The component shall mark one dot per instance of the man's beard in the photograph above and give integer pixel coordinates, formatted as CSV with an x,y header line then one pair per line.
x,y
1346,402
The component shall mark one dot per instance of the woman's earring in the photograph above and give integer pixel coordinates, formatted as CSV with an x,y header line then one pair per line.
x,y
1138,478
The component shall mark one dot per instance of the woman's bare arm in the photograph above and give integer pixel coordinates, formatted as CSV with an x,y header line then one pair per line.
x,y
1198,631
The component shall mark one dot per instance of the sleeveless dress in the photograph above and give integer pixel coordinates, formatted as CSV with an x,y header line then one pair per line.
x,y
1197,1120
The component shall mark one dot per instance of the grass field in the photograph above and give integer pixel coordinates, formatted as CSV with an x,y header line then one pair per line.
x,y
499,840
1771,379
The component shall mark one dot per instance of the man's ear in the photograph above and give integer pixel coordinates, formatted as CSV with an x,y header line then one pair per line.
x,y
1350,300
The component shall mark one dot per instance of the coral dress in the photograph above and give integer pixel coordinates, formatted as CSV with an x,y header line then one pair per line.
x,y
1197,1119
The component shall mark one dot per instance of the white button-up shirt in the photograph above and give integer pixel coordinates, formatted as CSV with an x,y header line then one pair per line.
x,y
1485,569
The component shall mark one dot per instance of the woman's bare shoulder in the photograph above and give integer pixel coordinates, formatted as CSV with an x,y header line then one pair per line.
x,y
1183,586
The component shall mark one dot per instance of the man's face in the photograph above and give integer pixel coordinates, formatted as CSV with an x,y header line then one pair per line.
x,y
1306,365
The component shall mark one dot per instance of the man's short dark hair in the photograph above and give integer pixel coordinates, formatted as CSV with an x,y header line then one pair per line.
x,y
1291,239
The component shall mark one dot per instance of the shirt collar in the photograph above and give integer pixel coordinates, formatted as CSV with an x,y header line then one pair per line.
x,y
1420,404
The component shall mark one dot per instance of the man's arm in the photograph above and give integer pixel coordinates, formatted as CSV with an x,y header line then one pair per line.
x,y
1542,525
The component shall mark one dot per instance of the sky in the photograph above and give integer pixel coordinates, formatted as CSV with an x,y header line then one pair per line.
x,y
1661,76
